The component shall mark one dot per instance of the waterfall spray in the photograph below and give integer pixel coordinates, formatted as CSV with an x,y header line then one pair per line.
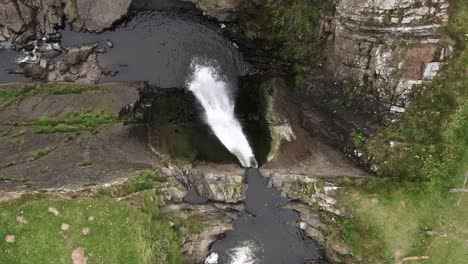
x,y
213,94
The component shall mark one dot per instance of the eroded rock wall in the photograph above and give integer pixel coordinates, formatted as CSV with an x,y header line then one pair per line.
x,y
23,19
387,46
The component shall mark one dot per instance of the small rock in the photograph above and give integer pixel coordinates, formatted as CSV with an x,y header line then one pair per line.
x,y
21,219
341,249
50,67
78,256
109,44
62,67
101,50
54,211
10,239
436,234
43,63
91,218
53,53
85,231
73,70
64,227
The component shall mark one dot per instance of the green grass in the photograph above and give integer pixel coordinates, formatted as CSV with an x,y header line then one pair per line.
x,y
119,233
74,122
9,96
428,157
144,180
39,154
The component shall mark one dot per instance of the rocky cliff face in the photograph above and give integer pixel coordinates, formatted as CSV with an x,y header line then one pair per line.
x,y
388,46
23,19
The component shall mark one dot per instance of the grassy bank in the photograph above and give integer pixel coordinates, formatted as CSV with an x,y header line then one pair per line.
x,y
410,211
117,233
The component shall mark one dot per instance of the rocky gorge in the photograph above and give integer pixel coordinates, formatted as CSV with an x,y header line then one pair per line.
x,y
76,129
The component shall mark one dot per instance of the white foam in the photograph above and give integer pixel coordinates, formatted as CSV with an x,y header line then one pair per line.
x,y
244,254
212,258
213,94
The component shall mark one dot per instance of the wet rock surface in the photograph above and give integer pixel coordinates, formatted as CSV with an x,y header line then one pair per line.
x,y
212,220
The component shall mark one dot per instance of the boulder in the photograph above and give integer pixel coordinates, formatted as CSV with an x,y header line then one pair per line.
x,y
223,183
78,55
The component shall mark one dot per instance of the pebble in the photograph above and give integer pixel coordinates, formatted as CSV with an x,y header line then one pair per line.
x,y
91,218
85,231
64,227
54,211
10,239
109,44
21,219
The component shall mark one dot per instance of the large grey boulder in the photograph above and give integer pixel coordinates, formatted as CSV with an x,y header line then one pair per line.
x,y
96,15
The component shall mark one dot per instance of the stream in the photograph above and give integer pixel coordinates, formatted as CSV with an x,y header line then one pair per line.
x,y
268,234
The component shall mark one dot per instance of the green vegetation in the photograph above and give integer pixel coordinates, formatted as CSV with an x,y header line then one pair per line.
x,y
39,154
9,96
419,159
144,180
74,122
291,27
118,232
289,31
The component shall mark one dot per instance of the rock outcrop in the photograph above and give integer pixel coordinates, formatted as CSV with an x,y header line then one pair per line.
x,y
386,47
95,15
221,183
201,225
23,19
59,156
222,10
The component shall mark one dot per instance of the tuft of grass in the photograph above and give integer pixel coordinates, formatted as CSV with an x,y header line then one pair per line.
x,y
144,180
118,233
39,154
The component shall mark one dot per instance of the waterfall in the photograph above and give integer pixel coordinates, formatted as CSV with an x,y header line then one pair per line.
x,y
213,94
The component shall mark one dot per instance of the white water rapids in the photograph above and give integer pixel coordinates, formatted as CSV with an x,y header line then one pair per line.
x,y
213,94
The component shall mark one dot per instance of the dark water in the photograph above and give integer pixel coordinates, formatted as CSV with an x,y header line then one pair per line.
x,y
8,58
269,234
159,46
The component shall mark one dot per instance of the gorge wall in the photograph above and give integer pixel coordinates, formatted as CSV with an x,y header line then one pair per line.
x,y
386,47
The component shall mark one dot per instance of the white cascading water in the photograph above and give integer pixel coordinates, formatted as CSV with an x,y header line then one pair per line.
x,y
213,94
